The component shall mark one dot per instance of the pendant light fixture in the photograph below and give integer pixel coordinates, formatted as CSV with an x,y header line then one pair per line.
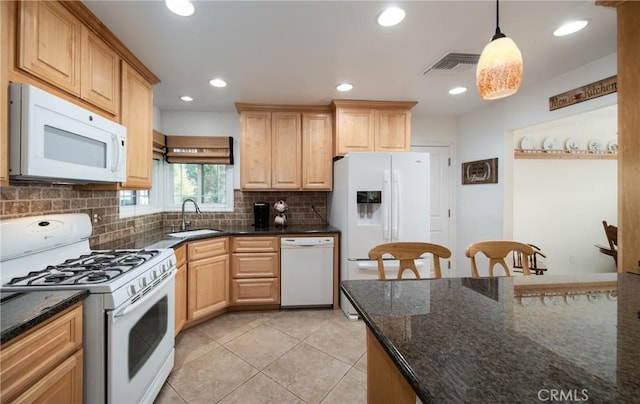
x,y
499,70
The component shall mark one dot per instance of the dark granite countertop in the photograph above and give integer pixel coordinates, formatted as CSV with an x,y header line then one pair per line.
x,y
483,340
159,239
20,312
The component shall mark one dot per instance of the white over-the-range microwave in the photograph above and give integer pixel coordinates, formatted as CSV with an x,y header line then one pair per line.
x,y
51,139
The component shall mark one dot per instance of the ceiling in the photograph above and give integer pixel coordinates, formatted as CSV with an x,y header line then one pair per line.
x,y
296,52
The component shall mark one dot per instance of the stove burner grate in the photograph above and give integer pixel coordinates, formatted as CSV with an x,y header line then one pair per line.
x,y
95,267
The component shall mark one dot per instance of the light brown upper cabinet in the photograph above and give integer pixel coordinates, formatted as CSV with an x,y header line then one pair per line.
x,y
61,47
137,116
4,95
285,147
49,44
317,146
56,47
255,150
100,73
286,138
371,126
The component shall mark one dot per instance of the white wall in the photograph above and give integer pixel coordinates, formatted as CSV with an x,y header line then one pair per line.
x,y
570,198
206,124
485,212
430,131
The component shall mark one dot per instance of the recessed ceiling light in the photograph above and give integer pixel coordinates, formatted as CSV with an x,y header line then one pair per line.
x,y
218,83
457,90
391,16
186,98
570,27
183,8
344,87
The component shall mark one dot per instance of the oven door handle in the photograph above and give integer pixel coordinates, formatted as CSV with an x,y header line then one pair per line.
x,y
128,309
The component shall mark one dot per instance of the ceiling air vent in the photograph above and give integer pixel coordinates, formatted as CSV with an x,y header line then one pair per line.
x,y
454,62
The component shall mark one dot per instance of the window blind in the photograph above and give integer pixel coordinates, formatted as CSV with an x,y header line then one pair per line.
x,y
200,149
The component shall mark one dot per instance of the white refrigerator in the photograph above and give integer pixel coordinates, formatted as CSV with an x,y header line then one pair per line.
x,y
378,198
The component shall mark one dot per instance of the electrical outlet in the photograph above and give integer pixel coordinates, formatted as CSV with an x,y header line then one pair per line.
x,y
95,218
572,259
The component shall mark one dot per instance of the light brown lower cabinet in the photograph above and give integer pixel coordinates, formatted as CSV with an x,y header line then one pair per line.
x,y
45,364
181,288
255,291
207,277
255,270
385,383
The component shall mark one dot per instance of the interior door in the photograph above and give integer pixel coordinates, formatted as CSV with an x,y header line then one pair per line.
x,y
440,196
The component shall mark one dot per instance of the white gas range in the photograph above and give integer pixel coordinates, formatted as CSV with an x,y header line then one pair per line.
x,y
128,317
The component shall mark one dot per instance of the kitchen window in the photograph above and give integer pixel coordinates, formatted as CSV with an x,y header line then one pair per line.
x,y
200,168
138,203
210,185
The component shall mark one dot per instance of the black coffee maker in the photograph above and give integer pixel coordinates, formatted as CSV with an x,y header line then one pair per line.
x,y
261,215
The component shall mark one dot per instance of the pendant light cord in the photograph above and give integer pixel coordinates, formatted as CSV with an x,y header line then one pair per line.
x,y
498,34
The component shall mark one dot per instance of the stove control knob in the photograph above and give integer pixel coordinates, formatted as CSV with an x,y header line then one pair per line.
x,y
143,282
132,290
154,275
163,268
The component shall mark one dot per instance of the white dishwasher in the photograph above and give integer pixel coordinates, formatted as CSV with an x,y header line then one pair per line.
x,y
306,271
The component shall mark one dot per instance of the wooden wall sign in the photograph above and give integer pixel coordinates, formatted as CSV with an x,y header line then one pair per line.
x,y
480,172
584,93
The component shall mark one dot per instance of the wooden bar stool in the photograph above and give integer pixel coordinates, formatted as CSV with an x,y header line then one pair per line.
x,y
497,251
406,253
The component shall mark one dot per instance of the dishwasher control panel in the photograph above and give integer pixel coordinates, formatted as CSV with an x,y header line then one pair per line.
x,y
293,242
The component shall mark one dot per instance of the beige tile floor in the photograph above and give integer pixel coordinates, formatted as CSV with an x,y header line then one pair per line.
x,y
287,356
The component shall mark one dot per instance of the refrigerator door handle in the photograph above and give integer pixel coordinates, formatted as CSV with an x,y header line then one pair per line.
x,y
395,206
386,206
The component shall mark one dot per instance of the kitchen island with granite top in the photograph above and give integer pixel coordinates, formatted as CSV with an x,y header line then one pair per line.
x,y
501,340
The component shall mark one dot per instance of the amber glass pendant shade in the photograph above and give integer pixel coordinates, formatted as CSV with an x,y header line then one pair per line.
x,y
499,70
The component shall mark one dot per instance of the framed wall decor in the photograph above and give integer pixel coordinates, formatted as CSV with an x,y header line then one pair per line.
x,y
480,172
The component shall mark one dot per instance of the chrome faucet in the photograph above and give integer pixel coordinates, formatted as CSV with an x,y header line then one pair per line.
x,y
187,223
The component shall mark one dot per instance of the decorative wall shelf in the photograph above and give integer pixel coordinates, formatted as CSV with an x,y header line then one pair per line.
x,y
563,154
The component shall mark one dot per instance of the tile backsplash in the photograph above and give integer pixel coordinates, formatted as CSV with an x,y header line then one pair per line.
x,y
20,200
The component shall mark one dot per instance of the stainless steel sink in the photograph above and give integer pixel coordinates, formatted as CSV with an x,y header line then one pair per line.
x,y
193,233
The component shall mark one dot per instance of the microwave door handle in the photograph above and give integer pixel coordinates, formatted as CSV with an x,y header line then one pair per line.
x,y
118,156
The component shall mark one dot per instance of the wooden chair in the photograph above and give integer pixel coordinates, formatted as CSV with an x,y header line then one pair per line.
x,y
533,261
406,253
612,237
497,251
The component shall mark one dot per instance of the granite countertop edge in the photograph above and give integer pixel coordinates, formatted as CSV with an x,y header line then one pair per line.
x,y
397,358
17,319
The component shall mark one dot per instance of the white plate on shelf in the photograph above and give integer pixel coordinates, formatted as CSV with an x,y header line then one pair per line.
x,y
550,143
572,144
595,145
550,300
594,297
526,143
529,301
612,146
